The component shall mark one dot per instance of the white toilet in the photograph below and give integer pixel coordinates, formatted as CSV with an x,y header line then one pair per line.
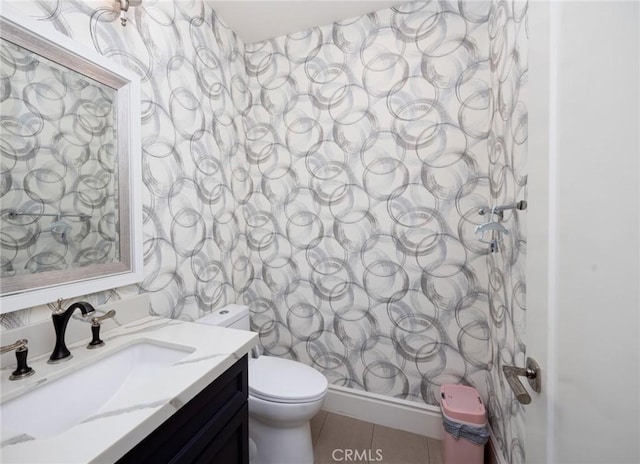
x,y
283,397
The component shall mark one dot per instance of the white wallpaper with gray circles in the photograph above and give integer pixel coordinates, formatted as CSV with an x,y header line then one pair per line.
x,y
331,179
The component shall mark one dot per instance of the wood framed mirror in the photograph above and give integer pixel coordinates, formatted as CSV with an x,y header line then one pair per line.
x,y
70,191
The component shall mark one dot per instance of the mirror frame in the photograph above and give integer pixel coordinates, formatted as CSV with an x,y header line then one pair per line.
x,y
28,290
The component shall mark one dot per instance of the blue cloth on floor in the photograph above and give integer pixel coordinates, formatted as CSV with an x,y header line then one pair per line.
x,y
477,434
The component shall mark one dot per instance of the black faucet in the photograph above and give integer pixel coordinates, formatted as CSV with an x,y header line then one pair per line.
x,y
60,321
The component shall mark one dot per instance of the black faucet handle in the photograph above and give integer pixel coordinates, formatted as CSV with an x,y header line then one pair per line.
x,y
22,369
96,342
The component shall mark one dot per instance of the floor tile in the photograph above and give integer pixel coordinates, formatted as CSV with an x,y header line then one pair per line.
x,y
316,425
341,438
435,451
398,447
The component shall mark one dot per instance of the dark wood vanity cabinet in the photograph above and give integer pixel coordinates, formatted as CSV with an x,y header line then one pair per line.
x,y
211,428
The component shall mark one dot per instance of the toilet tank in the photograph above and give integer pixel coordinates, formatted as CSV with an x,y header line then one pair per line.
x,y
234,316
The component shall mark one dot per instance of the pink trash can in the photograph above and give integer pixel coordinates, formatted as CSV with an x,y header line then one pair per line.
x,y
465,425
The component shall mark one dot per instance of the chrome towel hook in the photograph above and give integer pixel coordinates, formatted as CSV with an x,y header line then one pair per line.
x,y
497,230
491,226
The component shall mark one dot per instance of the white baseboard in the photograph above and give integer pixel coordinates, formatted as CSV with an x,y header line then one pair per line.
x,y
383,410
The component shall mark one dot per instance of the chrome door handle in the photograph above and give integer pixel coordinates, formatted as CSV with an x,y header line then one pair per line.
x,y
531,372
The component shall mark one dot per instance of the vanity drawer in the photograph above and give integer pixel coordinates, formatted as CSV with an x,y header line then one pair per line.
x,y
213,423
230,445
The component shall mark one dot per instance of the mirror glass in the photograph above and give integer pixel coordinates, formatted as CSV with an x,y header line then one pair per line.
x,y
70,213
59,171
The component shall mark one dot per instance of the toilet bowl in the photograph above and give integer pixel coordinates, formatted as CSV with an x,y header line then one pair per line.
x,y
283,397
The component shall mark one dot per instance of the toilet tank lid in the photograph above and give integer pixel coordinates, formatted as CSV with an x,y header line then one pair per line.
x,y
225,316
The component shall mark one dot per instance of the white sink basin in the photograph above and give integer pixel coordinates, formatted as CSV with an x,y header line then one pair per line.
x,y
62,403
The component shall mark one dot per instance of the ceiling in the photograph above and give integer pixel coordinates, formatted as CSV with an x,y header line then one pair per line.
x,y
254,21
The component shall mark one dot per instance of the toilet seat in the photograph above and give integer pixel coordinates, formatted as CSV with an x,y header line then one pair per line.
x,y
282,380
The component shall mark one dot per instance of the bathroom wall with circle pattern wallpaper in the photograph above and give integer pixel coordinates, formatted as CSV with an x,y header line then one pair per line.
x,y
331,180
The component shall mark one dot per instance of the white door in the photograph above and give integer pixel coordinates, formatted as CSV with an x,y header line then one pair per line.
x,y
583,233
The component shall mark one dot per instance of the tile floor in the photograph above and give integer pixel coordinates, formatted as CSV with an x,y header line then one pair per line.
x,y
340,439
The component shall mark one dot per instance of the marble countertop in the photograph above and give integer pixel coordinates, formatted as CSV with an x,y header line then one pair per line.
x,y
114,429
